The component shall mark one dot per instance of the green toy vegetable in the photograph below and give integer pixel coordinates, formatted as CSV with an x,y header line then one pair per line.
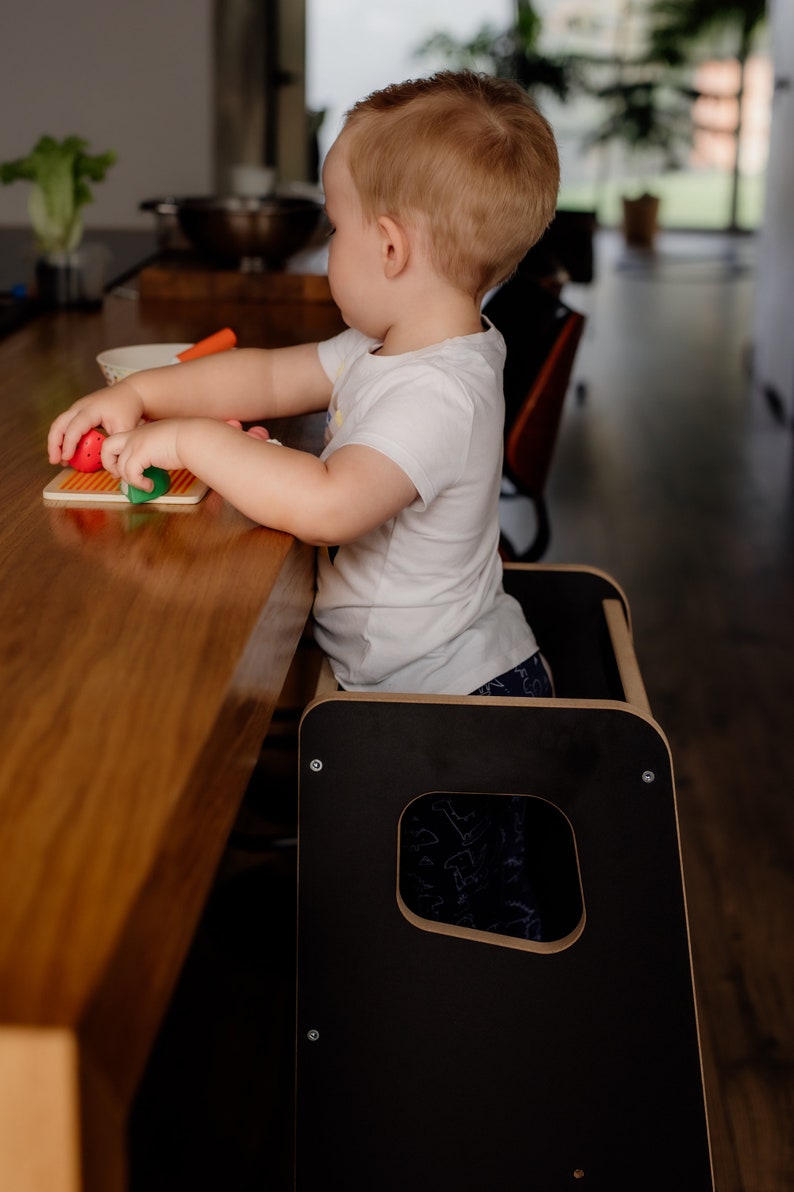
x,y
58,171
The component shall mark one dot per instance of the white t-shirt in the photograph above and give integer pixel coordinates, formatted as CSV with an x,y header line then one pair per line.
x,y
417,605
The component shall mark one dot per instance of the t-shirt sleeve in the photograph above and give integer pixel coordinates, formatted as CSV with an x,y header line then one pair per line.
x,y
424,424
336,353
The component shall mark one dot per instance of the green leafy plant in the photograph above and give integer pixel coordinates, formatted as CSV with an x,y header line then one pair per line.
x,y
647,104
649,115
511,53
59,173
679,26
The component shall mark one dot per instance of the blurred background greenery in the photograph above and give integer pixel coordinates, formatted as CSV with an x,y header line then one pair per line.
x,y
670,97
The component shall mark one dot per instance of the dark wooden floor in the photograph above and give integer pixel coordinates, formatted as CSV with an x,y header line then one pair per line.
x,y
677,478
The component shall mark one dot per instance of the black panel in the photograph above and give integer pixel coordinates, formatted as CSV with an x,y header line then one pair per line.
x,y
566,613
449,1063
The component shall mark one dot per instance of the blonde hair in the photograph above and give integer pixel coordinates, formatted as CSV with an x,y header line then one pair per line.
x,y
467,157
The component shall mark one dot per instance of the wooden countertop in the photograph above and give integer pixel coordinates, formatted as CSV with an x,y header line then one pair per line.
x,y
142,653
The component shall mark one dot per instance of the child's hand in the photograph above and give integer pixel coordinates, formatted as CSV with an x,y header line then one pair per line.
x,y
116,409
256,432
128,453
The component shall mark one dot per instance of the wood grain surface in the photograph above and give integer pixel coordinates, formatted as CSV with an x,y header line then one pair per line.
x,y
186,278
142,653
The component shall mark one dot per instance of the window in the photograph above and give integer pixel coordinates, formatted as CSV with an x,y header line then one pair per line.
x,y
354,47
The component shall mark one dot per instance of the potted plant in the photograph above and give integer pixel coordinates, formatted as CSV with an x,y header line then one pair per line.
x,y
652,118
679,26
648,109
59,173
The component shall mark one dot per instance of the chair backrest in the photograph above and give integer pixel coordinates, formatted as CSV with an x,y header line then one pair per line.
x,y
531,438
569,240
542,335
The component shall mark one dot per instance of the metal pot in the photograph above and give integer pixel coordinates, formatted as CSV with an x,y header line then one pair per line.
x,y
239,228
243,228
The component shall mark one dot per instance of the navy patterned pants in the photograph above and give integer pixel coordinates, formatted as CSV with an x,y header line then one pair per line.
x,y
463,856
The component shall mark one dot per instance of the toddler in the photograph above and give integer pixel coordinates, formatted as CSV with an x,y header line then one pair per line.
x,y
434,191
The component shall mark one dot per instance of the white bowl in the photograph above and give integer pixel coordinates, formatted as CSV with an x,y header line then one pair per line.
x,y
118,363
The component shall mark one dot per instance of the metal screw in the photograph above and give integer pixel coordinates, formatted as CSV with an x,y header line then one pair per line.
x,y
316,765
312,1035
648,776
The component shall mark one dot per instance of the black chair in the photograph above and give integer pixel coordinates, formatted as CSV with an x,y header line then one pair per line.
x,y
542,336
568,244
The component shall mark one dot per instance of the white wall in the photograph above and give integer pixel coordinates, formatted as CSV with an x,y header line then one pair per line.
x,y
773,363
130,75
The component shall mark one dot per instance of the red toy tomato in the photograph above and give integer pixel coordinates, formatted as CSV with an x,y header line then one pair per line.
x,y
88,453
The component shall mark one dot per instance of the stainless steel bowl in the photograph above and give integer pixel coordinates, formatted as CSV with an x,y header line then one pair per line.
x,y
238,228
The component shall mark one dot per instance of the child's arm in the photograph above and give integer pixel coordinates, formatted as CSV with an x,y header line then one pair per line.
x,y
246,384
324,503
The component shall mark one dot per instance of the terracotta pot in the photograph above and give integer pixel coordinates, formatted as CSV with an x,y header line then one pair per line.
x,y
640,218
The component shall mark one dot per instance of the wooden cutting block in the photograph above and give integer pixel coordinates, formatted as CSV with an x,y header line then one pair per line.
x,y
186,277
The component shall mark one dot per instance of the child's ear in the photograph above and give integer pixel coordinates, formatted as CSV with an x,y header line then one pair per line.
x,y
395,246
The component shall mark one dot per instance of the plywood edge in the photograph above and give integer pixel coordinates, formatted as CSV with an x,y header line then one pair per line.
x,y
39,1110
626,659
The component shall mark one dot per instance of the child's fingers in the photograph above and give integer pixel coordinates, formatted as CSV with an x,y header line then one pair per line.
x,y
127,458
118,458
256,432
64,435
113,412
69,427
110,453
54,442
144,483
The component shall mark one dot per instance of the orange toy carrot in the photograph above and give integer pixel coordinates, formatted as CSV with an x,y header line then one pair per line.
x,y
220,341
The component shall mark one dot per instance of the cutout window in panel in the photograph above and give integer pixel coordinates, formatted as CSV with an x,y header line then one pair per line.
x,y
500,867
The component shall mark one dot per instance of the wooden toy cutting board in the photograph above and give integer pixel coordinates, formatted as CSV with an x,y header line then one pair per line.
x,y
102,488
